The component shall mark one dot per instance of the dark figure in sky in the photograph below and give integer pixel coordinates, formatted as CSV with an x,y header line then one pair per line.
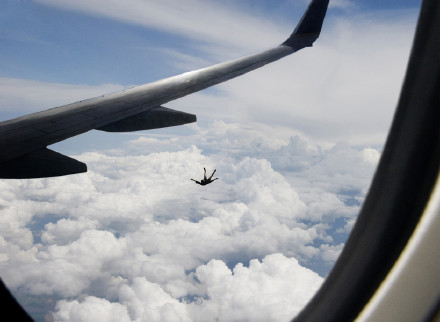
x,y
205,180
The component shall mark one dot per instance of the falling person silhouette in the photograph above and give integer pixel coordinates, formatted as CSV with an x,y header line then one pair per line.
x,y
205,180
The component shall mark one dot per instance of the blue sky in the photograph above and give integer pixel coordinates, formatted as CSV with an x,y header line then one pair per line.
x,y
52,44
295,145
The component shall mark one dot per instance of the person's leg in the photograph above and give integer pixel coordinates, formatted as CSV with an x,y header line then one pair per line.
x,y
212,174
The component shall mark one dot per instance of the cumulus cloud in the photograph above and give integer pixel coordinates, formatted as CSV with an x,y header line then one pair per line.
x,y
91,309
135,225
278,286
274,289
147,301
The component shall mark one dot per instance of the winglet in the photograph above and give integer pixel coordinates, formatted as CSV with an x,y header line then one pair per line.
x,y
309,27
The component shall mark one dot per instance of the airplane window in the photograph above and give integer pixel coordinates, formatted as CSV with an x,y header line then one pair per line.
x,y
295,146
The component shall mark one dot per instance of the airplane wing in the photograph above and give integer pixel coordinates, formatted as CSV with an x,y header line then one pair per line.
x,y
24,140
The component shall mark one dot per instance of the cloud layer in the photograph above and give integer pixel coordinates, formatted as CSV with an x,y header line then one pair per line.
x,y
136,230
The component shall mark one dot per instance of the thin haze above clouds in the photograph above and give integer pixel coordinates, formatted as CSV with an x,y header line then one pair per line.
x,y
295,145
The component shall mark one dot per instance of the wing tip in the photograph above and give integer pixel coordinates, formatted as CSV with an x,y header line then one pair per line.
x,y
309,27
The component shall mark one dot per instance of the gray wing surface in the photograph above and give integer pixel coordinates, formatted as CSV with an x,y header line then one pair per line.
x,y
24,140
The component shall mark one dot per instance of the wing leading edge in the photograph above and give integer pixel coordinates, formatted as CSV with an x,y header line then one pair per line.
x,y
24,140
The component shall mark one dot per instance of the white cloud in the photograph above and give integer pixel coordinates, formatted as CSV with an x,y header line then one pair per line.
x,y
331,253
26,96
136,222
206,21
66,230
147,301
274,289
91,309
342,4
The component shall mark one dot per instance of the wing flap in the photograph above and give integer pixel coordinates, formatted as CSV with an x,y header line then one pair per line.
x,y
40,164
155,118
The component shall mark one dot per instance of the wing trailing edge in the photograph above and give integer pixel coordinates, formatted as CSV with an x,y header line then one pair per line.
x,y
154,118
